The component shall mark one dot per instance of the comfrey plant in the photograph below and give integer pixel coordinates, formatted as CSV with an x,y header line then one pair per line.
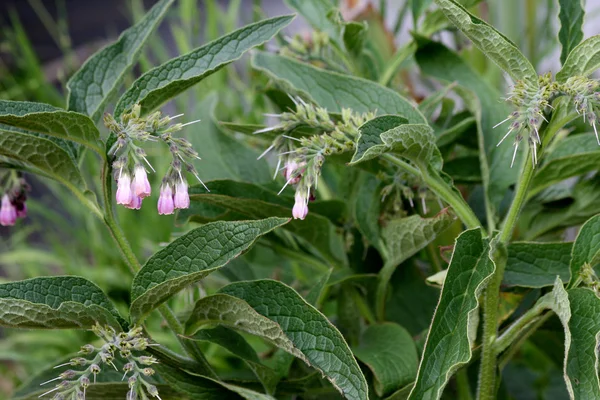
x,y
414,252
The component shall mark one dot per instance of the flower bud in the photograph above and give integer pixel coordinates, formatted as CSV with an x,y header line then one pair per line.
x,y
300,209
146,360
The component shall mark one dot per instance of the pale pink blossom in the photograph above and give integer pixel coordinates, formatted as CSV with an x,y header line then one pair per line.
x,y
22,210
165,200
141,185
300,209
182,198
292,172
124,194
8,212
136,203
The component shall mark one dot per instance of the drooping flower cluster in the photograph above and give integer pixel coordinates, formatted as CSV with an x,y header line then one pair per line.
x,y
129,165
403,186
125,345
525,121
303,157
13,193
586,98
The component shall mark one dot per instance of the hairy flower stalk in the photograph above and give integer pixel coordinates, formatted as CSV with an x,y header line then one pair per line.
x,y
130,160
125,345
13,195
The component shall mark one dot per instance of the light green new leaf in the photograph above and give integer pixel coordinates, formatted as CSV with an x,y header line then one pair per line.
x,y
571,23
391,134
310,331
491,42
390,352
190,258
418,7
537,265
454,326
253,201
335,91
40,155
581,369
51,121
166,81
586,249
573,156
319,15
583,60
60,302
93,85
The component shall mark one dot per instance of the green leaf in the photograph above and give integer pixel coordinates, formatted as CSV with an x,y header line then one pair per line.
x,y
571,24
454,326
199,387
582,355
390,352
537,265
355,34
367,207
319,15
190,258
583,60
166,81
390,133
60,302
237,345
335,91
253,201
310,331
573,156
586,249
51,121
491,42
94,84
42,156
418,7
483,100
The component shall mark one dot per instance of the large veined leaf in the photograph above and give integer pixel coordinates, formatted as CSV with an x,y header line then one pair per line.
x,y
438,61
491,42
335,91
60,302
390,352
571,23
573,156
581,367
454,326
93,85
310,331
586,249
40,155
166,81
190,258
390,133
582,60
537,265
51,121
253,201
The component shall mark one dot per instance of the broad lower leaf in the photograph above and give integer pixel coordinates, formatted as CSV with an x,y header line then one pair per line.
x,y
309,330
40,155
583,60
571,24
61,302
586,249
482,99
390,353
51,121
190,258
335,91
537,265
491,42
252,201
199,387
573,156
581,369
94,84
391,134
454,326
166,81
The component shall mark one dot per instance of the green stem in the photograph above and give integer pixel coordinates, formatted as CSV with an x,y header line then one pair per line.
x,y
134,266
462,385
401,55
441,188
488,368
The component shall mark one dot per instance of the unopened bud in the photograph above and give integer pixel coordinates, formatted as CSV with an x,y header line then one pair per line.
x,y
132,381
87,349
152,390
147,360
84,381
148,371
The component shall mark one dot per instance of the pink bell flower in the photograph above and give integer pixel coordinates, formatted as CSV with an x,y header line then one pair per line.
x,y
124,194
300,209
182,198
8,212
141,185
165,200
